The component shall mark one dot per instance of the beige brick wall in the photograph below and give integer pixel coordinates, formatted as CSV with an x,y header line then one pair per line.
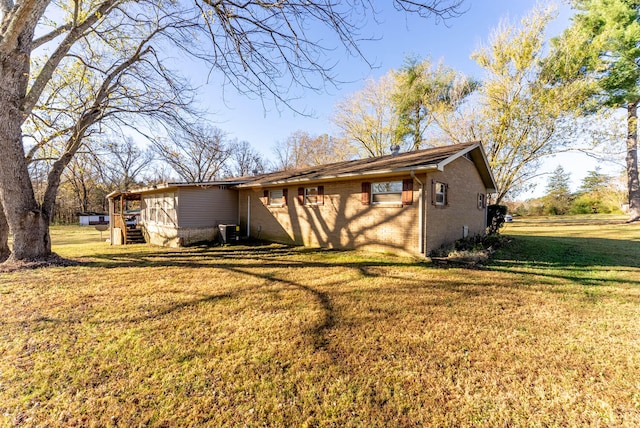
x,y
342,222
445,224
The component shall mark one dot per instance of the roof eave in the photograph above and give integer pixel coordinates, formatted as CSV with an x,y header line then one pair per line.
x,y
174,185
483,166
327,178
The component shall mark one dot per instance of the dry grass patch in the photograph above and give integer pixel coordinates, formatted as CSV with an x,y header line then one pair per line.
x,y
253,336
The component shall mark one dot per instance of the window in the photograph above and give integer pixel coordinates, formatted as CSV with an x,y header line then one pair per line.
x,y
440,194
153,209
311,195
387,192
277,198
169,208
159,208
481,201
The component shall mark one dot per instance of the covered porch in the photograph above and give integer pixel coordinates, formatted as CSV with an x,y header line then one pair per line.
x,y
124,218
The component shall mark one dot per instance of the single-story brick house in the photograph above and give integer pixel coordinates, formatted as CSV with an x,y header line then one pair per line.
x,y
408,203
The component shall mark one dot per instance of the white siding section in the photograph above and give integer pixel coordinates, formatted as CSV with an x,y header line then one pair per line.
x,y
206,207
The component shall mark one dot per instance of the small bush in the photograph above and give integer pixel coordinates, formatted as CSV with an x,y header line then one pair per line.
x,y
495,218
470,250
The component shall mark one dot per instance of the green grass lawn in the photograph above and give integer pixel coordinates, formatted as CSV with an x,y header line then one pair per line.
x,y
546,334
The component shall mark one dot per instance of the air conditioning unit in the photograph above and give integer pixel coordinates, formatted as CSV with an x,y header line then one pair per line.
x,y
229,233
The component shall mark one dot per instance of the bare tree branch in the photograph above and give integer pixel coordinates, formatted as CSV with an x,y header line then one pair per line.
x,y
51,35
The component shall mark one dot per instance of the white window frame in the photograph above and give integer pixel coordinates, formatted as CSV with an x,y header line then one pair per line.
x,y
440,194
307,196
482,201
376,189
272,199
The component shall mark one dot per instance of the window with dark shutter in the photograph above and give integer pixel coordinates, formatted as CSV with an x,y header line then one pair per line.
x,y
314,195
446,195
276,198
407,191
386,193
265,197
285,194
301,195
366,193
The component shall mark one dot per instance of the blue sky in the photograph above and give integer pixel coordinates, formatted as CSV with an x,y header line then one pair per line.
x,y
451,42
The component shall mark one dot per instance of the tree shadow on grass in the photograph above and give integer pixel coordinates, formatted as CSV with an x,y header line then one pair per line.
x,y
582,260
212,257
272,264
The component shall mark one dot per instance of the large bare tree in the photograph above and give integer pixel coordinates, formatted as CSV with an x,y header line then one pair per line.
x,y
82,176
302,149
197,154
102,69
245,160
259,47
122,162
369,119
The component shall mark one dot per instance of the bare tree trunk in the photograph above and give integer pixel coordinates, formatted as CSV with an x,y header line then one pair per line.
x,y
632,162
4,237
30,227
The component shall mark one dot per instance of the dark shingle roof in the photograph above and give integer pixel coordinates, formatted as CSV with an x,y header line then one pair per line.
x,y
415,160
418,160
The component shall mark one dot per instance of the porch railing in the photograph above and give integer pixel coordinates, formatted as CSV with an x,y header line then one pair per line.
x,y
119,222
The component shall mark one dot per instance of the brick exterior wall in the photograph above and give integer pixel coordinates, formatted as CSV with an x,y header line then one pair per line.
x,y
445,224
343,221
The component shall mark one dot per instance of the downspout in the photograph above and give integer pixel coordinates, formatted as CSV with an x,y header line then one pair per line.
x,y
249,215
420,214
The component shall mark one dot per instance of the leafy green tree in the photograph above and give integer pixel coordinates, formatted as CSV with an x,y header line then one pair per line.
x,y
558,198
598,193
602,45
398,108
517,114
595,182
421,92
